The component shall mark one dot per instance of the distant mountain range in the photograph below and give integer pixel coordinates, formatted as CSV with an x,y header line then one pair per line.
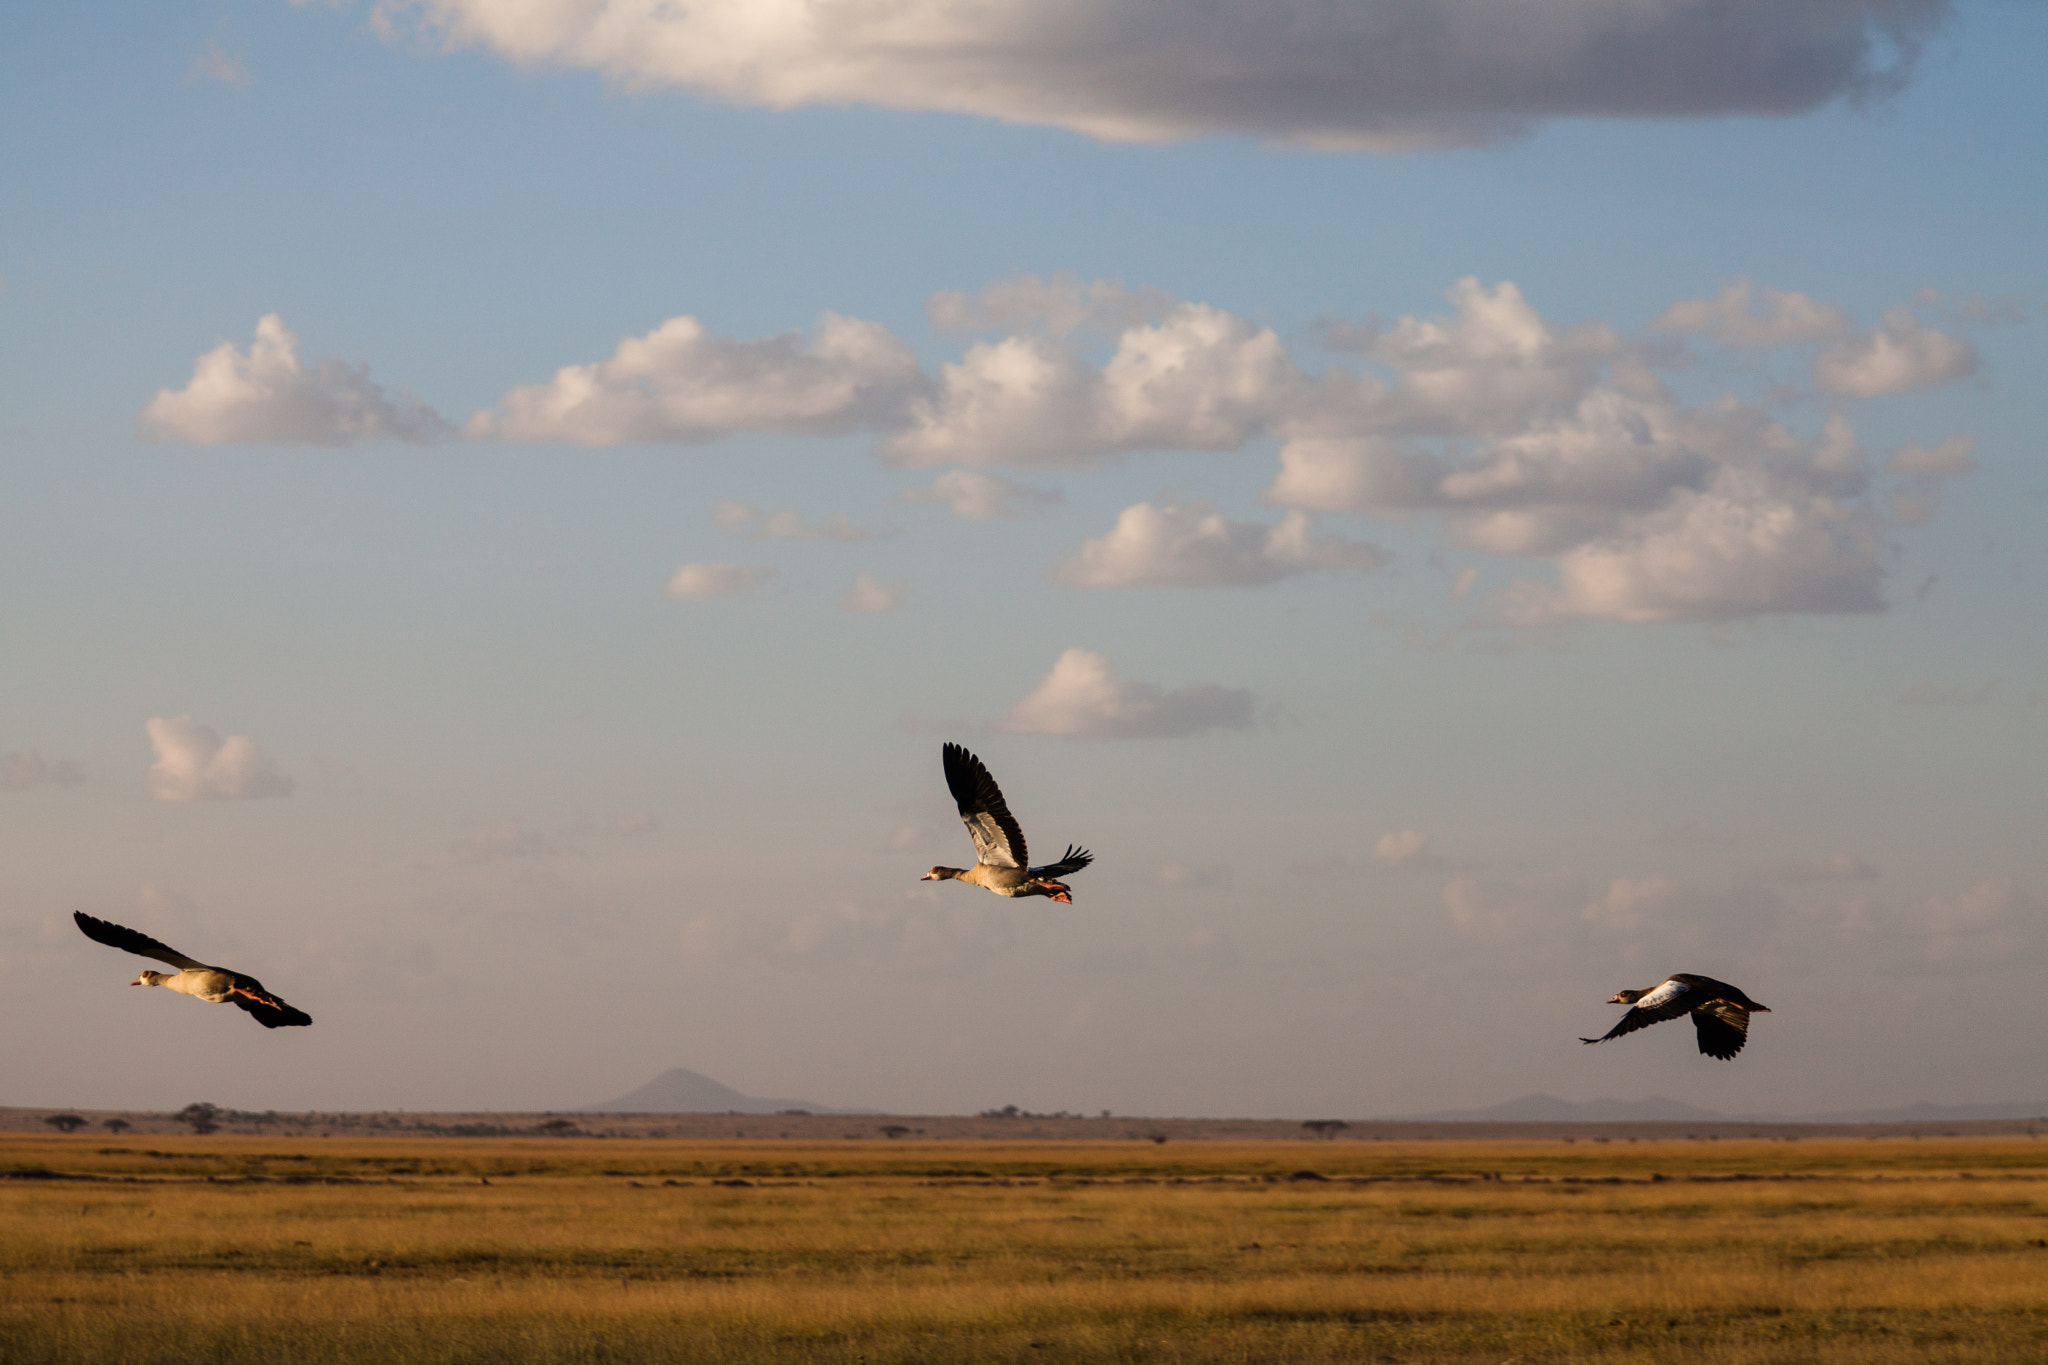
x,y
679,1091
1664,1109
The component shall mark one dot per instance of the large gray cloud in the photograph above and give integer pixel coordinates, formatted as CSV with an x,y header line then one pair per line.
x,y
1383,75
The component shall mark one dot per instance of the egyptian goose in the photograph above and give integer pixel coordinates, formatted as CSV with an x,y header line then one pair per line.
x,y
217,985
1003,866
1720,1013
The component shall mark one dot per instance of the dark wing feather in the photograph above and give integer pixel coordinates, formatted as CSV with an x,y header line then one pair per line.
x,y
998,841
268,1010
1660,1004
1629,1023
131,941
1073,860
1723,1029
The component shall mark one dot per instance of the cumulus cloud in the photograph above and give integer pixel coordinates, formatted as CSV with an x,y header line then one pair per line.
x,y
1902,354
1193,547
1629,901
218,65
1198,379
266,395
1061,305
1949,460
1490,908
974,496
28,768
698,582
870,593
193,763
1083,699
1993,921
1746,317
1324,73
787,525
1402,848
679,383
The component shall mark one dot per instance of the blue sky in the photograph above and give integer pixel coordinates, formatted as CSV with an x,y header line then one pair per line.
x,y
1423,660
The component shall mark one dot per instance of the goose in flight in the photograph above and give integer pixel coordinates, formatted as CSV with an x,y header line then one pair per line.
x,y
1002,866
1720,1013
216,985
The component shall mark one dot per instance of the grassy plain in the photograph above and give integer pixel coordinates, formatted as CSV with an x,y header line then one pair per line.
x,y
356,1251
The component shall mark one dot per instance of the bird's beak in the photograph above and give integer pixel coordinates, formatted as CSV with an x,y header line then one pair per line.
x,y
138,981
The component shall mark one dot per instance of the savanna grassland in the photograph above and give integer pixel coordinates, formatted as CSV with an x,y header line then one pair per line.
x,y
289,1250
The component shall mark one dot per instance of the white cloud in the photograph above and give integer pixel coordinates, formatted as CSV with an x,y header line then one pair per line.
x,y
1402,848
1949,460
1199,379
1082,699
1322,73
1492,909
1058,306
1995,921
1733,318
787,525
1902,354
1628,901
28,768
193,763
266,395
215,63
698,582
678,383
869,593
1193,547
974,496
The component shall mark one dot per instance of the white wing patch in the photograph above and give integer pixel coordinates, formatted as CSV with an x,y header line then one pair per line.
x,y
1663,995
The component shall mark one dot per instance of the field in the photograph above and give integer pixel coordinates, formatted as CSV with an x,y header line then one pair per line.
x,y
352,1250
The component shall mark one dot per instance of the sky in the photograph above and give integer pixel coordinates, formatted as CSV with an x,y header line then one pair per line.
x,y
501,504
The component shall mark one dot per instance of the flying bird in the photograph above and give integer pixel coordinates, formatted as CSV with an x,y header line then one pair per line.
x,y
216,985
1720,1013
1002,864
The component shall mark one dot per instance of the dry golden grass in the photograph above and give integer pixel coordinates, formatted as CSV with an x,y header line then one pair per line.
x,y
370,1250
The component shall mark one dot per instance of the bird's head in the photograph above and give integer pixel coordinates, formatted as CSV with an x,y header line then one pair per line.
x,y
940,874
151,979
1625,997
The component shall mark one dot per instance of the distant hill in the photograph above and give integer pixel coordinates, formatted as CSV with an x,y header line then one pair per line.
x,y
680,1091
1664,1109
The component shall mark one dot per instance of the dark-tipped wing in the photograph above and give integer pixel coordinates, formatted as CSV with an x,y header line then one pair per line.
x,y
1723,1028
129,940
1670,999
268,1010
997,840
1073,860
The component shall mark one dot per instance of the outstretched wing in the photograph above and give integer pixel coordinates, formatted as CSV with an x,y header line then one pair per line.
x,y
997,840
1668,1001
131,941
1723,1028
1073,860
268,1010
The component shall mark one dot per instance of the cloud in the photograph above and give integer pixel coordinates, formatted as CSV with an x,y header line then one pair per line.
x,y
1181,876
1322,73
1733,318
1082,699
1198,379
193,763
1402,848
678,383
787,525
1949,460
1628,902
1995,921
215,63
1902,354
869,593
1193,547
974,496
265,395
1493,909
28,768
1058,306
704,582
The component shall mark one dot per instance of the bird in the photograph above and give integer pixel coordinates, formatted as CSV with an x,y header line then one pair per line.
x,y
1720,1012
1002,865
217,985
